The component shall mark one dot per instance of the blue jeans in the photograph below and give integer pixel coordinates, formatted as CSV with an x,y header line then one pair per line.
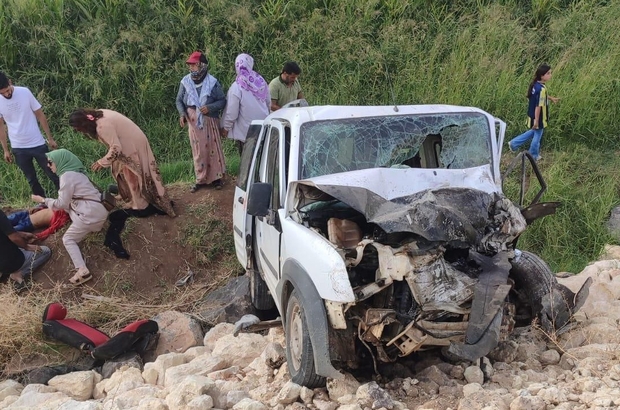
x,y
23,159
535,135
21,221
33,260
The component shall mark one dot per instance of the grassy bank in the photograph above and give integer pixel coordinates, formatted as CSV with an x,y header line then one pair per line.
x,y
128,55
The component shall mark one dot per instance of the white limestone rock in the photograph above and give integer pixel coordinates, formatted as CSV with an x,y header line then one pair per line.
x,y
10,388
77,385
240,350
200,366
155,372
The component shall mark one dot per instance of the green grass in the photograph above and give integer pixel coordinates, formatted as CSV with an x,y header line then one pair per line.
x,y
128,55
211,239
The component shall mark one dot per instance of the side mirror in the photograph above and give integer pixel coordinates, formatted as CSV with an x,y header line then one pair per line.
x,y
259,199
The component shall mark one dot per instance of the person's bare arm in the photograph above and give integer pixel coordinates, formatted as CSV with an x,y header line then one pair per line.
x,y
46,128
3,140
274,105
536,117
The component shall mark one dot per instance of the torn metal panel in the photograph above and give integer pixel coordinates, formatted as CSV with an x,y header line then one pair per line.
x,y
449,214
438,286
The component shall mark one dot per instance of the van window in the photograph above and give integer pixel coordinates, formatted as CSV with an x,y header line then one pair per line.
x,y
457,141
247,155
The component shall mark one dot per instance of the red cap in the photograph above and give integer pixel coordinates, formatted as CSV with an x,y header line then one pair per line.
x,y
194,58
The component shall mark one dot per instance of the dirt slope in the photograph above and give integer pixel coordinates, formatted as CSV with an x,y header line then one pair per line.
x,y
162,250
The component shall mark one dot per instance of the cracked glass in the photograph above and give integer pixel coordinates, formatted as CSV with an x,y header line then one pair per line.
x,y
443,140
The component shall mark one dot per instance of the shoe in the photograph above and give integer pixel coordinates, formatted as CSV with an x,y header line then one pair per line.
x,y
118,250
196,187
81,276
538,158
510,148
19,287
218,184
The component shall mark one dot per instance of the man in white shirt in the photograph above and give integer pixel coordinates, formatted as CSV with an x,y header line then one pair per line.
x,y
20,111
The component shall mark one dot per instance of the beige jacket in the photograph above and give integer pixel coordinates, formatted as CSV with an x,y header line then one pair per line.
x,y
73,186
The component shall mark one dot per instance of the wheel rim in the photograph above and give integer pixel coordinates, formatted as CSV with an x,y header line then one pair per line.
x,y
295,337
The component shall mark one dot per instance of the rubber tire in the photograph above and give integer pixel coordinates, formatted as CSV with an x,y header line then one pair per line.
x,y
259,292
299,352
533,279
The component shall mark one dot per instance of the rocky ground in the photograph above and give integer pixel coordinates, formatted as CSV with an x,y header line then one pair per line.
x,y
578,369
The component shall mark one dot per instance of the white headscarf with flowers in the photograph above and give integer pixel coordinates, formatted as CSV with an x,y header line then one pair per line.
x,y
249,79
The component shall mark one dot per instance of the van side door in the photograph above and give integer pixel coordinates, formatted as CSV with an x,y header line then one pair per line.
x,y
268,230
248,173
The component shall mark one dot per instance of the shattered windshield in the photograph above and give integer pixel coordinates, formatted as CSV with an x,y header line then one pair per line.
x,y
446,140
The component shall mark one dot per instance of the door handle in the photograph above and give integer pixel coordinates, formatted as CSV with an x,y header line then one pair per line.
x,y
240,200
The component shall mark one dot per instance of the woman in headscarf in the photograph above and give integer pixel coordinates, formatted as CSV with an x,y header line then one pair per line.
x,y
248,99
133,167
129,156
200,101
82,200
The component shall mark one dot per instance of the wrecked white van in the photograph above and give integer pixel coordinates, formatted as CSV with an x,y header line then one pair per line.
x,y
380,231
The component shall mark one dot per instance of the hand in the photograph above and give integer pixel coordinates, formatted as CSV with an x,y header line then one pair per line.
x,y
33,248
38,199
554,99
204,110
52,143
96,166
182,122
7,157
23,239
223,133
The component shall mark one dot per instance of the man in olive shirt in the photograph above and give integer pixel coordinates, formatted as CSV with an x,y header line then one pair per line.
x,y
18,257
285,88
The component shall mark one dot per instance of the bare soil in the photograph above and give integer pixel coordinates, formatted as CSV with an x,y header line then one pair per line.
x,y
163,250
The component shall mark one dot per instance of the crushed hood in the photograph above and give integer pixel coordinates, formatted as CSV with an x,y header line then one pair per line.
x,y
438,205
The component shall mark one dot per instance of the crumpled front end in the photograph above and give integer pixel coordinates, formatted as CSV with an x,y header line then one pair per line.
x,y
428,269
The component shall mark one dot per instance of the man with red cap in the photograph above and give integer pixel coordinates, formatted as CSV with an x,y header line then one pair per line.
x,y
200,100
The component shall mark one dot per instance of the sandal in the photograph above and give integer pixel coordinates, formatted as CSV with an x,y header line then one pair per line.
x,y
19,287
82,275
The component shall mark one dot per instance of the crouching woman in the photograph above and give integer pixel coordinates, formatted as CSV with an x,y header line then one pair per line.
x,y
79,197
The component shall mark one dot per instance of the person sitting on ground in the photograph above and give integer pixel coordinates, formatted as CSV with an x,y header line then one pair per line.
x,y
38,218
286,88
79,197
19,258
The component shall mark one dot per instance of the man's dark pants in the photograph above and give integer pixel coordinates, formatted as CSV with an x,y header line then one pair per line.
x,y
23,159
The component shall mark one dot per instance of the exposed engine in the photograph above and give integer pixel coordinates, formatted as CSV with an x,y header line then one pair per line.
x,y
413,291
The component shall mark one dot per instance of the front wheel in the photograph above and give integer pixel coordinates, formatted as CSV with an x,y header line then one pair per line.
x,y
299,352
539,294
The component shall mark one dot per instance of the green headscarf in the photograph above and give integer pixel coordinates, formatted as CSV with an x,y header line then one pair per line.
x,y
65,160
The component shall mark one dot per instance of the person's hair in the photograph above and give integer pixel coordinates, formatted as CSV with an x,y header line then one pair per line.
x,y
540,71
4,80
203,58
291,67
79,119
